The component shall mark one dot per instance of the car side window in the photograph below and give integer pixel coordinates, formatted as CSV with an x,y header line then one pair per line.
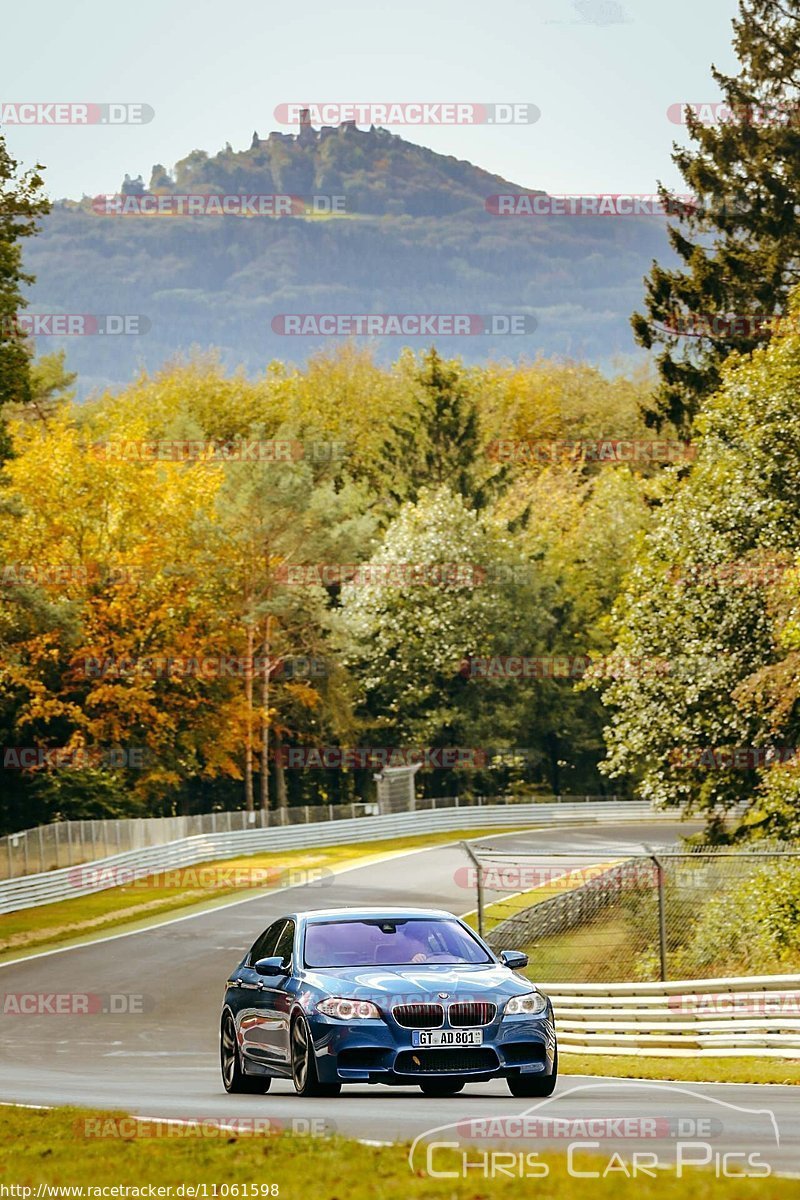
x,y
264,946
285,945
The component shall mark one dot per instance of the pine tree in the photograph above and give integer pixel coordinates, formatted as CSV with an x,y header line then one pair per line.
x,y
739,243
20,205
439,442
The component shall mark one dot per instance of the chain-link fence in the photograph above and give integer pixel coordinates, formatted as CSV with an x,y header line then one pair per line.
x,y
69,843
667,914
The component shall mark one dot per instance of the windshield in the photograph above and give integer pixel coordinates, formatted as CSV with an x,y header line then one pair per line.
x,y
390,942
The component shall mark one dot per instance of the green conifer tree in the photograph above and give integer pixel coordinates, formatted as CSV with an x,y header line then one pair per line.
x,y
739,244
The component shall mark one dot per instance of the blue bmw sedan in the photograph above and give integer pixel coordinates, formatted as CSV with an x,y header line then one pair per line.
x,y
383,995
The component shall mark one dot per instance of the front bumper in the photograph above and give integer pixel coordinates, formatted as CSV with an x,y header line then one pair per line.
x,y
380,1051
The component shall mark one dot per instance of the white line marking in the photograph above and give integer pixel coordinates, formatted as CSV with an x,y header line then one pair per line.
x,y
157,1054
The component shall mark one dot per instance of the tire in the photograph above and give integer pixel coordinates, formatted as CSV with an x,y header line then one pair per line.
x,y
233,1077
441,1087
534,1085
304,1064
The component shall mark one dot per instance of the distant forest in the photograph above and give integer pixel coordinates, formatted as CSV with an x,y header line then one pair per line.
x,y
415,236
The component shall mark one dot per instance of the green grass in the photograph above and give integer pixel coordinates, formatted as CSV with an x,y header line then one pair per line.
x,y
602,951
51,925
49,1147
684,1070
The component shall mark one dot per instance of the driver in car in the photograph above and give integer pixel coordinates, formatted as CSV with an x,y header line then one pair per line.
x,y
416,947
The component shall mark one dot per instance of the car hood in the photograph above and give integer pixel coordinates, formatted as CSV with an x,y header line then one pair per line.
x,y
419,983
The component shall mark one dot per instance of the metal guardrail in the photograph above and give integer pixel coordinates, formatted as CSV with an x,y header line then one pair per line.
x,y
70,882
67,843
744,1017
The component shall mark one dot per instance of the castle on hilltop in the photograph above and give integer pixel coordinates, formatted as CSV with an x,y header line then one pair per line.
x,y
306,135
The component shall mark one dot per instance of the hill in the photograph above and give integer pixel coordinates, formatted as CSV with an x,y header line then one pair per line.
x,y
415,236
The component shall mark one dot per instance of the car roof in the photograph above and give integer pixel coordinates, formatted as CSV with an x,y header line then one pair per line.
x,y
356,914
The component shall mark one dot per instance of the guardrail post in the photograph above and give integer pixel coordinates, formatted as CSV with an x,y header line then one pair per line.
x,y
478,882
662,920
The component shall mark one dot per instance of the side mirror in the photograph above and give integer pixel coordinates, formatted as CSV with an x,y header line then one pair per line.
x,y
515,960
272,966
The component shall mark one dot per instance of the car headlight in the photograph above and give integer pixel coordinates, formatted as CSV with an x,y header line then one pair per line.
x,y
347,1010
530,1004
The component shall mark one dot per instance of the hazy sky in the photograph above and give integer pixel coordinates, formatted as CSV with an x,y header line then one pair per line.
x,y
603,73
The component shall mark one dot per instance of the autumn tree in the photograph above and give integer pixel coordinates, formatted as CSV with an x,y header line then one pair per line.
x,y
274,519
705,595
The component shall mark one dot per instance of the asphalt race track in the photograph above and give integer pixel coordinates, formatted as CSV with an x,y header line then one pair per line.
x,y
163,1062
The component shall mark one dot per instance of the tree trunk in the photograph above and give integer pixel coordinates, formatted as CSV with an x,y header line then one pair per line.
x,y
281,798
248,689
553,745
265,673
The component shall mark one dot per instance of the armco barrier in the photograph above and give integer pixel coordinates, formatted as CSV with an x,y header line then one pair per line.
x,y
573,907
69,882
67,843
751,1016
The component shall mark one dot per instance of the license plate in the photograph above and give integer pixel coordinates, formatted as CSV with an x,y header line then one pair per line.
x,y
447,1037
